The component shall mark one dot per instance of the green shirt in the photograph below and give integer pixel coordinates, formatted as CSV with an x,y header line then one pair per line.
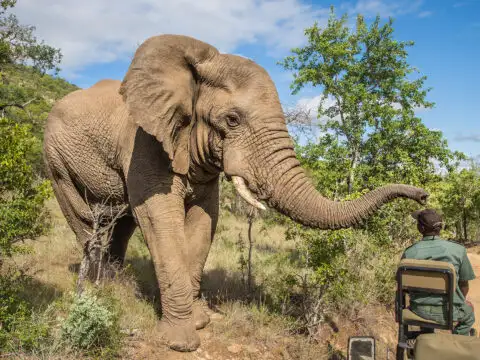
x,y
435,248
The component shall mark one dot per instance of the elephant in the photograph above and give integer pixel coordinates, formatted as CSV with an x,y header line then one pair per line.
x,y
157,142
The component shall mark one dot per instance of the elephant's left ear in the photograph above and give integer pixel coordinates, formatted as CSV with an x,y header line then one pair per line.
x,y
160,90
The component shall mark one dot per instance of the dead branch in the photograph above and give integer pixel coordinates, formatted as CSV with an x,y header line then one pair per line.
x,y
104,218
3,107
20,106
251,217
298,116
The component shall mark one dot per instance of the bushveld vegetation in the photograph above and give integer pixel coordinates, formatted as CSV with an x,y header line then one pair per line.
x,y
267,275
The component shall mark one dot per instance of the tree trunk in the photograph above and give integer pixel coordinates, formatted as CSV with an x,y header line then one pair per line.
x,y
250,248
353,168
465,224
458,230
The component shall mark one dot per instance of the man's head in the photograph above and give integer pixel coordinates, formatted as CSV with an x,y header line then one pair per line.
x,y
429,222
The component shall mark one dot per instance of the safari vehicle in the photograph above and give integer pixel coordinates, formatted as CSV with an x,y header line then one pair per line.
x,y
424,343
417,337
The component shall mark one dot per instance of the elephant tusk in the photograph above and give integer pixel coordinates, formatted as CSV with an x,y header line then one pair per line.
x,y
242,189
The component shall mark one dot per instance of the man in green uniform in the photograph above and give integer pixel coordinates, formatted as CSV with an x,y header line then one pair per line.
x,y
432,247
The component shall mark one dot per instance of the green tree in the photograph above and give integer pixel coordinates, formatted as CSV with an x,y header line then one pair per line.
x,y
460,201
26,96
370,135
24,103
26,92
369,97
18,44
22,193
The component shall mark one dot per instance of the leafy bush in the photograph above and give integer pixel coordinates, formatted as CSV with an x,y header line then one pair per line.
x,y
335,272
20,327
92,324
22,195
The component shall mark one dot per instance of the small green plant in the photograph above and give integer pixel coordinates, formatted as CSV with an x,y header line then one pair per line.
x,y
93,324
20,328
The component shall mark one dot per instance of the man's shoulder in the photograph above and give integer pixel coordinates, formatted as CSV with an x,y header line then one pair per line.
x,y
448,246
455,245
411,248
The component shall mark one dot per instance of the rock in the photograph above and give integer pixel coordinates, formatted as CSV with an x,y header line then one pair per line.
x,y
235,348
216,316
251,349
130,332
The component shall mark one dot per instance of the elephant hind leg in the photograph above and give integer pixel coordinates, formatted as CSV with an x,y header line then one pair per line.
x,y
67,198
122,232
73,208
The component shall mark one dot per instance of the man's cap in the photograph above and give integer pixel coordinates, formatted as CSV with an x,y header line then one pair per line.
x,y
429,219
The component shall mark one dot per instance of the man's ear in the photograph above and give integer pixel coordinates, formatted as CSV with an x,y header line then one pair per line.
x,y
420,228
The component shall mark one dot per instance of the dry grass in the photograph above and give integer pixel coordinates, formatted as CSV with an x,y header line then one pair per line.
x,y
255,331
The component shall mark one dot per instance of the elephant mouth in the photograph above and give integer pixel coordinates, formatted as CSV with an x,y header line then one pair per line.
x,y
245,193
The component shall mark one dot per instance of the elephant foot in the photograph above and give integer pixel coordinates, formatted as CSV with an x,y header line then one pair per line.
x,y
200,317
180,337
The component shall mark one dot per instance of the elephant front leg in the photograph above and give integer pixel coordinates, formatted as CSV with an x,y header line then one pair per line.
x,y
200,223
162,222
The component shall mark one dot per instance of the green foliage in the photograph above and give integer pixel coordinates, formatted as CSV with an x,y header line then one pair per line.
x,y
332,273
18,44
21,194
460,202
92,324
26,97
371,134
20,327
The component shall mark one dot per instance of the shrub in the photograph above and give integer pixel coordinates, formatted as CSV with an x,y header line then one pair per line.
x,y
22,196
335,272
93,324
20,328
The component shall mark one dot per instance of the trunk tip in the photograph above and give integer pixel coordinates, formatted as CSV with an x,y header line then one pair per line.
x,y
422,196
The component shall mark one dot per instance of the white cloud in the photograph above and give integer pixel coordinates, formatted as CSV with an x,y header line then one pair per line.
x,y
473,137
385,8
310,105
101,31
424,14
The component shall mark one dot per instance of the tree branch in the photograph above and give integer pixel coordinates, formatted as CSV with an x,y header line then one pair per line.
x,y
20,106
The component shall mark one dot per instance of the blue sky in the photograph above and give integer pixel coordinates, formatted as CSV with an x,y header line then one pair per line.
x,y
98,40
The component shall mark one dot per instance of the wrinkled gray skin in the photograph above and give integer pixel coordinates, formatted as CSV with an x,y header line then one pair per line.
x,y
158,142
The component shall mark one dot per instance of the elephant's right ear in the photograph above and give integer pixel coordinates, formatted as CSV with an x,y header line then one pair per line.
x,y
160,90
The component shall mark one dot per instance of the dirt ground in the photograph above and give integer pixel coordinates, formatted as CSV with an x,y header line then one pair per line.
x,y
474,292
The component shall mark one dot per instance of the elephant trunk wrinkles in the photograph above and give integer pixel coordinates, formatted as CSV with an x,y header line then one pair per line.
x,y
295,196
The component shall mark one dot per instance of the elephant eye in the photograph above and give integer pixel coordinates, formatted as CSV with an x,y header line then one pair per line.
x,y
233,120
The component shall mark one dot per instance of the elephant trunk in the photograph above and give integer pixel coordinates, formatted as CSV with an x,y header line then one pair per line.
x,y
288,190
295,196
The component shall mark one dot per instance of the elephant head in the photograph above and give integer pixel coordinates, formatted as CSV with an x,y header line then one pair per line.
x,y
217,112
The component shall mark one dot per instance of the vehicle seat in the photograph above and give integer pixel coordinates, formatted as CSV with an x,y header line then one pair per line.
x,y
446,347
435,277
